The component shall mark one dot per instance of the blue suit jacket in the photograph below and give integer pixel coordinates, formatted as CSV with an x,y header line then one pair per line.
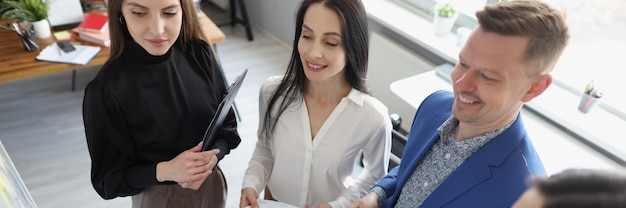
x,y
494,176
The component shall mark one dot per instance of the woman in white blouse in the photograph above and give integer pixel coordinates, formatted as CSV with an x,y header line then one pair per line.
x,y
317,119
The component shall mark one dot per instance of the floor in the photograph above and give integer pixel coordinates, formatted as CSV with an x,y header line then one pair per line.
x,y
41,124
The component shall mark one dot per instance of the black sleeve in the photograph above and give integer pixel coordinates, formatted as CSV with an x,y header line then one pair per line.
x,y
108,143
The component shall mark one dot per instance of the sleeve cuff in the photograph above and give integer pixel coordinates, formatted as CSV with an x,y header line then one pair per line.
x,y
382,195
139,176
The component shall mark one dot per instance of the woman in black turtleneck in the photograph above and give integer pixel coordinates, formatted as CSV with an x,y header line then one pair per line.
x,y
147,109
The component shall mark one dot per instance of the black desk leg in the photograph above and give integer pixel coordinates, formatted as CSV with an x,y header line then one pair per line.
x,y
244,16
246,22
233,13
73,80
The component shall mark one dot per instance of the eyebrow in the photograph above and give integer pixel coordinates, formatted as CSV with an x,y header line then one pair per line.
x,y
144,7
328,33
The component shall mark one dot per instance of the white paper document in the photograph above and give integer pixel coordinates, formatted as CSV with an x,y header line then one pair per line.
x,y
273,204
82,55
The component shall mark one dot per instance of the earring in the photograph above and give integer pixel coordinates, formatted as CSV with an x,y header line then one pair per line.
x,y
122,20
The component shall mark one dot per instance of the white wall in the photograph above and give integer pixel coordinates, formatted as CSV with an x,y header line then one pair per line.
x,y
389,61
276,17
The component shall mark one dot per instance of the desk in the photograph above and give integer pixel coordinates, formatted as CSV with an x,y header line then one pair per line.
x,y
416,88
17,63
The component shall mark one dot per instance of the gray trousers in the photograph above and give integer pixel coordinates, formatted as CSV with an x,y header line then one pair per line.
x,y
212,193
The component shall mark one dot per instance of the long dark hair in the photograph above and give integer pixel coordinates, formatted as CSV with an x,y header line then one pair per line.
x,y
118,30
355,41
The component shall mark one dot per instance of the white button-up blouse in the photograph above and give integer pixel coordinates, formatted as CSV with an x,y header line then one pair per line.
x,y
303,171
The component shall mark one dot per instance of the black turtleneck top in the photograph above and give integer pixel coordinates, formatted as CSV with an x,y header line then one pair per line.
x,y
141,109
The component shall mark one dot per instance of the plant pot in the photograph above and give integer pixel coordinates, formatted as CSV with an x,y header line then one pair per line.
x,y
42,29
443,25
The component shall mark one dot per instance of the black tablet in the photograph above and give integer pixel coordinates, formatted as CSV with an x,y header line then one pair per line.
x,y
222,111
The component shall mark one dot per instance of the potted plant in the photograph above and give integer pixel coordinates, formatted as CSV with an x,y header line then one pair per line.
x,y
444,18
33,11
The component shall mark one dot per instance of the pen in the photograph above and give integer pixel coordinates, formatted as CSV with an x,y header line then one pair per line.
x,y
589,88
597,94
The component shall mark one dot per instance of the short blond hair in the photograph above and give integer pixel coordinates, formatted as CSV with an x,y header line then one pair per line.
x,y
543,24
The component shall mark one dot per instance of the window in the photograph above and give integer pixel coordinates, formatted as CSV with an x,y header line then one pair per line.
x,y
595,52
466,8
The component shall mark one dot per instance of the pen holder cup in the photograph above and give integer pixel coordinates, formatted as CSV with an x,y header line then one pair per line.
x,y
587,102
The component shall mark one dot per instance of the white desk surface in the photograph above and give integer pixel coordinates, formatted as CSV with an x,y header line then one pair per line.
x,y
557,149
415,88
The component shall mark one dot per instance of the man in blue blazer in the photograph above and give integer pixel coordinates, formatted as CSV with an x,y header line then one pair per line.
x,y
469,147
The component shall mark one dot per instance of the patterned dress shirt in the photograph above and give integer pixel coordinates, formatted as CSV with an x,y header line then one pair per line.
x,y
443,158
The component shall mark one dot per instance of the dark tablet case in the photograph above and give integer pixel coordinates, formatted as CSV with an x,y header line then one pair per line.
x,y
222,110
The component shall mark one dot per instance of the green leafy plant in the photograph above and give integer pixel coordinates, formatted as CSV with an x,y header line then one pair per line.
x,y
445,10
29,10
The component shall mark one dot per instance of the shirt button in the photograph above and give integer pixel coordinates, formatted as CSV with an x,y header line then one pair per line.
x,y
448,156
425,184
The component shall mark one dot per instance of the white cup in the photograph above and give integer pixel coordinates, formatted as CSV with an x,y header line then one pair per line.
x,y
462,34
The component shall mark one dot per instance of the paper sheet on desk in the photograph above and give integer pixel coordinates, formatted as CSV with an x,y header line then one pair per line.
x,y
82,55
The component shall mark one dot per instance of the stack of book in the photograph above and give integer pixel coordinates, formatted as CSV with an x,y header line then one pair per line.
x,y
95,29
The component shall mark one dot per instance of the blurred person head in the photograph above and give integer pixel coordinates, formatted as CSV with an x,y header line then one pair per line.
x,y
576,188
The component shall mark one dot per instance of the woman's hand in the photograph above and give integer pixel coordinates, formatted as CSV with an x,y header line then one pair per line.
x,y
369,200
249,197
190,168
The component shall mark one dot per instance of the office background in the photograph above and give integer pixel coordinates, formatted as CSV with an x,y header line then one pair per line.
x,y
41,119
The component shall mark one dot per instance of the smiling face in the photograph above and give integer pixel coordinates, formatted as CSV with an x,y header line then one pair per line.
x,y
153,24
320,45
490,83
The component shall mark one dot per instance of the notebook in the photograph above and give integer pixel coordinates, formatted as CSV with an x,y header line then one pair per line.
x,y
103,38
81,55
222,110
95,23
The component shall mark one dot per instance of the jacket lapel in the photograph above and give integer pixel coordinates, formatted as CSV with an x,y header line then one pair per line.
x,y
477,168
